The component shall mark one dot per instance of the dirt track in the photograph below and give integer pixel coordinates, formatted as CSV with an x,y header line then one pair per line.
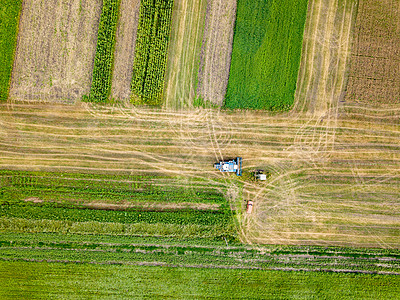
x,y
59,67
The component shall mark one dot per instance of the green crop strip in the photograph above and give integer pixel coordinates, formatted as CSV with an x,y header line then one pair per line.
x,y
85,188
42,280
266,54
51,211
103,63
9,20
151,51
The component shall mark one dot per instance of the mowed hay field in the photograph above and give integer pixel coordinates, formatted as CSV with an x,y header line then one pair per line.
x,y
55,50
374,77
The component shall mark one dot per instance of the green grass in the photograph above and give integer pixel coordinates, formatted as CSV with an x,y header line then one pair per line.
x,y
32,280
151,50
266,54
103,62
9,19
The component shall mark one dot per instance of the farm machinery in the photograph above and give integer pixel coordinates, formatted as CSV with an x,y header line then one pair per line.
x,y
231,166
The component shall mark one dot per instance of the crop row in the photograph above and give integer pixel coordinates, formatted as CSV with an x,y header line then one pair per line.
x,y
9,18
151,51
103,63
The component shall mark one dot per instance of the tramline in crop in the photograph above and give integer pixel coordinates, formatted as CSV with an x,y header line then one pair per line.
x,y
151,51
103,64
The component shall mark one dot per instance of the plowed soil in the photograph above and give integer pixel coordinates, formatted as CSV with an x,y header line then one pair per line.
x,y
374,78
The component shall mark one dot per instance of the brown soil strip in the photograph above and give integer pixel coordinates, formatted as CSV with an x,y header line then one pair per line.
x,y
216,50
55,50
125,49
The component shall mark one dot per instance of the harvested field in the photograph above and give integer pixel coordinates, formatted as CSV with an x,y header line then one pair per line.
x,y
216,51
328,185
184,53
374,78
325,56
55,50
125,49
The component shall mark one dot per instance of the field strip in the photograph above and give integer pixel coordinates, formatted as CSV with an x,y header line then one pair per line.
x,y
186,144
125,49
183,57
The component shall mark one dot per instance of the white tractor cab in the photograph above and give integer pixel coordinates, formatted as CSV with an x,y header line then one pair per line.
x,y
259,175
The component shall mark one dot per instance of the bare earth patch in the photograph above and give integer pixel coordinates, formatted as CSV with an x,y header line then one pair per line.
x,y
55,50
216,50
159,206
125,49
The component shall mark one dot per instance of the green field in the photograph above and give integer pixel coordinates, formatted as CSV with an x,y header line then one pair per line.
x,y
103,63
32,280
186,251
151,51
111,204
266,54
9,18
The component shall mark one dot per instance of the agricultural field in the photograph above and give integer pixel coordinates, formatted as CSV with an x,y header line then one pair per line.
x,y
183,251
374,76
321,83
266,54
216,51
55,50
187,26
122,190
9,16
